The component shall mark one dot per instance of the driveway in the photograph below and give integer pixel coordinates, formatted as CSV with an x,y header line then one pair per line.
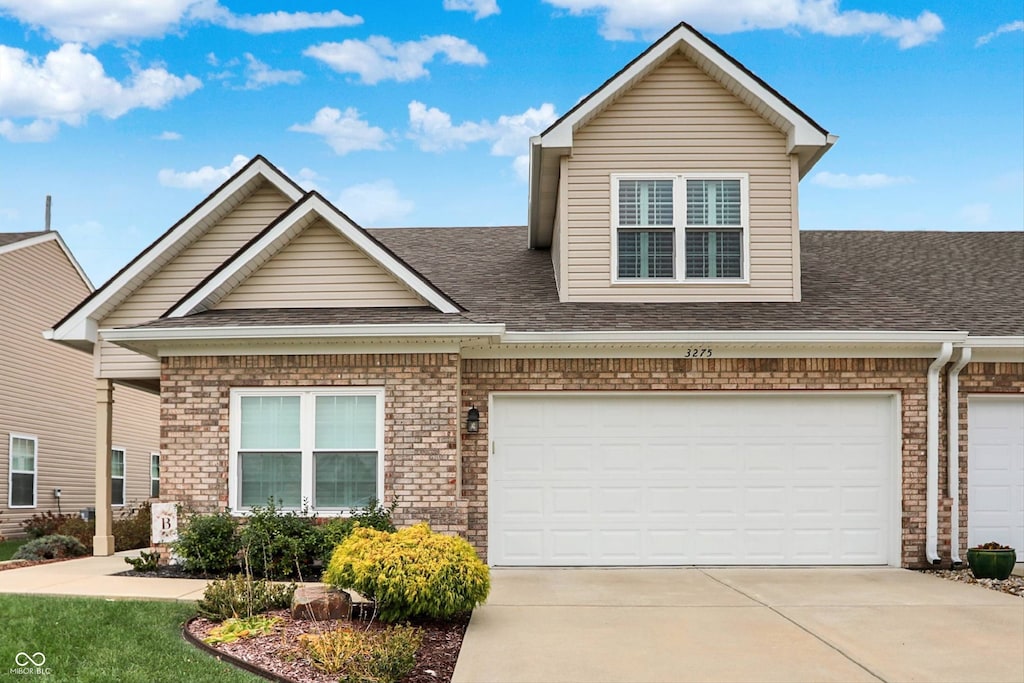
x,y
740,624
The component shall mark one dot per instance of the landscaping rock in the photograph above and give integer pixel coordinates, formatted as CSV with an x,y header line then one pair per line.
x,y
320,602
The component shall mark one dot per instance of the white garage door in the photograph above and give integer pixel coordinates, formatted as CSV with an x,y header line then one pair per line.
x,y
794,478
995,471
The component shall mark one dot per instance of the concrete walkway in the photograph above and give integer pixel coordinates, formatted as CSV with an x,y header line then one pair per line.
x,y
91,577
742,624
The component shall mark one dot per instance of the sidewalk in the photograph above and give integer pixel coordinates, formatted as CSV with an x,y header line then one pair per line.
x,y
92,577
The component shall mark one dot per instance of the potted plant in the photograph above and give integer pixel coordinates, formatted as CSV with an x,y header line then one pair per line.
x,y
991,560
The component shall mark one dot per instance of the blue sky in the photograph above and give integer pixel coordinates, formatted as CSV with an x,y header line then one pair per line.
x,y
418,113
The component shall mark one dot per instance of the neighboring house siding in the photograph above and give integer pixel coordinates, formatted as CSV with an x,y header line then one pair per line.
x,y
678,120
422,417
480,377
48,391
187,269
320,269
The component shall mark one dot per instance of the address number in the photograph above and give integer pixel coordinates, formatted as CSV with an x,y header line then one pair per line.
x,y
698,352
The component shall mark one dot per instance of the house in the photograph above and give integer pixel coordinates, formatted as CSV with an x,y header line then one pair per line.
x,y
47,396
659,369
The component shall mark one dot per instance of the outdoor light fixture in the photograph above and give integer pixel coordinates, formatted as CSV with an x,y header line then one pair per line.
x,y
473,421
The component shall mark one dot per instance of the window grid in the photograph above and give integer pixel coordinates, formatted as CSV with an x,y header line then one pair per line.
x,y
117,476
23,465
154,475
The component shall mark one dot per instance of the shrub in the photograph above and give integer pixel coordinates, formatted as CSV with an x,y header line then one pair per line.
x,y
50,548
279,545
384,656
373,516
411,573
145,562
247,627
133,529
77,527
208,543
240,595
44,524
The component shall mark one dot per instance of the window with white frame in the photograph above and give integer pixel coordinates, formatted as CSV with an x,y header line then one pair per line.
x,y
22,471
319,447
154,475
117,476
704,239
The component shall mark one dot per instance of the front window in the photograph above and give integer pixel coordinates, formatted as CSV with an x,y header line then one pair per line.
x,y
154,475
680,227
117,476
22,468
318,447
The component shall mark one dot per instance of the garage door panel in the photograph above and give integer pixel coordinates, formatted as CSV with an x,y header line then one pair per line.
x,y
694,480
995,471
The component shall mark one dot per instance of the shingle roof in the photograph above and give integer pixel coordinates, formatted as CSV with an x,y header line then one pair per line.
x,y
12,237
852,280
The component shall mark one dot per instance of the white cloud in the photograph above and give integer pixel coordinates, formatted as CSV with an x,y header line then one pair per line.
x,y
205,178
100,21
259,75
307,178
344,131
433,131
625,19
976,215
68,85
377,58
863,181
377,203
35,131
480,8
1005,28
169,135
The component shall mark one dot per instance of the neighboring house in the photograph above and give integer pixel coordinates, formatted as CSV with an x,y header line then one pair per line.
x,y
659,369
48,395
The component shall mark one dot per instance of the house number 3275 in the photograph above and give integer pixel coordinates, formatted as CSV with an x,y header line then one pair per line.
x,y
698,352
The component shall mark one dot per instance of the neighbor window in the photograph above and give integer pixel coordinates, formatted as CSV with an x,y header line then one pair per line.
x,y
117,476
320,448
22,469
154,475
680,227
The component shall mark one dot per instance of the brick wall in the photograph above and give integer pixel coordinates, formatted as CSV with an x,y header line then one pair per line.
x,y
981,378
421,424
907,376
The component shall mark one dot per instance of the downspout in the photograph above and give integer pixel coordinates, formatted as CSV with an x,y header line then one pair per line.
x,y
953,441
931,544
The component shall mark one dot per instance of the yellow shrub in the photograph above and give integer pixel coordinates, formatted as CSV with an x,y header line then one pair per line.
x,y
411,573
384,656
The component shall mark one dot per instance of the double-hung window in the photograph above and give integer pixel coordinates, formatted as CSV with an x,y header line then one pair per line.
x,y
117,475
320,448
22,471
680,227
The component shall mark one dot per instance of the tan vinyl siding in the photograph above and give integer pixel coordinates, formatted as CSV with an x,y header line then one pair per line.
x,y
678,120
48,391
320,269
184,272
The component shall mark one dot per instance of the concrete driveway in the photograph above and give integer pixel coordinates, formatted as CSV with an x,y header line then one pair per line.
x,y
742,624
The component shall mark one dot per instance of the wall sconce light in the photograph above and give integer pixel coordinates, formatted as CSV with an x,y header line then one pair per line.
x,y
473,421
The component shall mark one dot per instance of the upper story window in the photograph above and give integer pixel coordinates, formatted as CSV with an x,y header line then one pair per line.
x,y
703,239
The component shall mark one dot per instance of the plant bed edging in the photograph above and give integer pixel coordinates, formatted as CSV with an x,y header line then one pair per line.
x,y
228,658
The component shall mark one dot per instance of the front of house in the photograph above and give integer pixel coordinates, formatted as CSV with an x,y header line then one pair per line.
x,y
659,369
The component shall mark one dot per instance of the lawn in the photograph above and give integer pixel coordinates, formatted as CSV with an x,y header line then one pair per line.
x,y
8,548
85,639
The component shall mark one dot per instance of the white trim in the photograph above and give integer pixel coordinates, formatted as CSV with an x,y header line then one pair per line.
x,y
1008,349
11,472
895,505
154,454
262,250
306,394
81,326
123,477
740,336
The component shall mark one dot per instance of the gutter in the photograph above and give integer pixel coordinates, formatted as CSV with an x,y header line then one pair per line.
x,y
931,548
953,441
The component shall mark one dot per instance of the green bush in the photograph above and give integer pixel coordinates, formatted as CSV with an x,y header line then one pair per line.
x,y
134,528
411,573
384,656
242,596
336,530
77,527
208,544
278,545
145,562
44,524
50,548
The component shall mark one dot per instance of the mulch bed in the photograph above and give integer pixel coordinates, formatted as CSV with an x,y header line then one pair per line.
x,y
175,571
278,653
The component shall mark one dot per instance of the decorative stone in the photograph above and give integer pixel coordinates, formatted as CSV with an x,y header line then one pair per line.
x,y
320,602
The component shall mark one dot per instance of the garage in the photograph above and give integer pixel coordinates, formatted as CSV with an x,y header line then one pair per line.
x,y
794,478
995,471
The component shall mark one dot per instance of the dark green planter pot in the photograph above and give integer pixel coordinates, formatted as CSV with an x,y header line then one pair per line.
x,y
991,564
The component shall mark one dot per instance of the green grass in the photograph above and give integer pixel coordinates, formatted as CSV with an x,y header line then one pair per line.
x,y
8,548
87,639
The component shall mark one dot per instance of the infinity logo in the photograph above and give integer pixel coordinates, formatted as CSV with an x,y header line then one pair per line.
x,y
24,659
